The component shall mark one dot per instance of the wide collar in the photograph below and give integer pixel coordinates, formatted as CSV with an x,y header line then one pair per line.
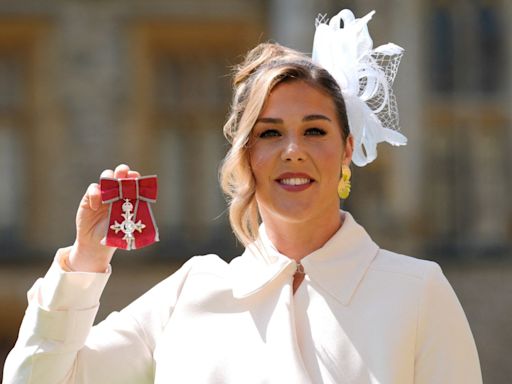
x,y
337,267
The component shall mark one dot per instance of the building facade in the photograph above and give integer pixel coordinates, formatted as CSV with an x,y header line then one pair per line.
x,y
86,85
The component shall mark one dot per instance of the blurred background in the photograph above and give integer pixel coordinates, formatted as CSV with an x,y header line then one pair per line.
x,y
88,84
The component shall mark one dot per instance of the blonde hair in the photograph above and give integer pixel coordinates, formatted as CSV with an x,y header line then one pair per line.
x,y
264,67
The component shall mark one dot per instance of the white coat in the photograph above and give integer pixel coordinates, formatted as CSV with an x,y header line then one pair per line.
x,y
361,315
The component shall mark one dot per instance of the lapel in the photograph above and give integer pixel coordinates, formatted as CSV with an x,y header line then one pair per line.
x,y
337,267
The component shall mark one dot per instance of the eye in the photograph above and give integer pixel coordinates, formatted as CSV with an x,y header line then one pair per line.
x,y
315,132
269,133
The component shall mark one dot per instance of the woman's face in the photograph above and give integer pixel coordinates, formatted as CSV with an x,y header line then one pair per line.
x,y
296,151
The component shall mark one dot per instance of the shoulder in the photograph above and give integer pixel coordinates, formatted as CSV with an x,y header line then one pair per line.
x,y
407,267
204,264
418,285
207,264
407,276
168,291
209,272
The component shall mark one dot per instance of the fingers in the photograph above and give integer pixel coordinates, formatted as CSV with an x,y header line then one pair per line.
x,y
121,171
107,173
93,196
133,174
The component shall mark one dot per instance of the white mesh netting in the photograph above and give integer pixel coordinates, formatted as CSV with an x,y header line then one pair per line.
x,y
375,87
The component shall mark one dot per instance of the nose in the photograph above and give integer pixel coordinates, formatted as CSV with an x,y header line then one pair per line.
x,y
293,151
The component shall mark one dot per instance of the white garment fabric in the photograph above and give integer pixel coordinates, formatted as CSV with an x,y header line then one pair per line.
x,y
361,315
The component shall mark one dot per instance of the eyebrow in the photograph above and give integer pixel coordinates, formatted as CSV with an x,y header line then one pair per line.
x,y
315,117
273,120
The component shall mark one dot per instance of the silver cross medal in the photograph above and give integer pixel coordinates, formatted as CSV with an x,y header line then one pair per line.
x,y
128,226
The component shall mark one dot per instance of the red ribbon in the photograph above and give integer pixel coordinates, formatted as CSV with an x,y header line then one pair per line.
x,y
131,222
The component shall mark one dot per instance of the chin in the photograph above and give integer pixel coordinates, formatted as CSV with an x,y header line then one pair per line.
x,y
297,210
296,213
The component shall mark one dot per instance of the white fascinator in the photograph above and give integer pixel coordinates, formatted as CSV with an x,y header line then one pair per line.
x,y
365,76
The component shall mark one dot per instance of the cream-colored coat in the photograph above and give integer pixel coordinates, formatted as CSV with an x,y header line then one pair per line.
x,y
362,315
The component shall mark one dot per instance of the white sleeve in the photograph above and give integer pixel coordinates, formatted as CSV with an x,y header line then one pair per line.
x,y
58,344
445,348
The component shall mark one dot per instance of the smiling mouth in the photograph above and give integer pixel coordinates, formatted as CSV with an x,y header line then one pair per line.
x,y
295,181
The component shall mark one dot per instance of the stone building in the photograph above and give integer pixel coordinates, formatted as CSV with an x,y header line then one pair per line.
x,y
85,85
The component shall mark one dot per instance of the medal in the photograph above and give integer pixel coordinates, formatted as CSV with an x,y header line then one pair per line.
x,y
131,221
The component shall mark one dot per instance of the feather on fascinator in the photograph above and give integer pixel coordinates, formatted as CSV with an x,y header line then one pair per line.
x,y
365,76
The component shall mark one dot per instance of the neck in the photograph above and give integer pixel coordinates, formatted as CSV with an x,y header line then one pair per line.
x,y
297,239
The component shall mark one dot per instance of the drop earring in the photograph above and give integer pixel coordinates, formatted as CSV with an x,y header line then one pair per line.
x,y
344,184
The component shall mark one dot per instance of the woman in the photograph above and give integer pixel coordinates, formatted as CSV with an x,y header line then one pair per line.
x,y
312,299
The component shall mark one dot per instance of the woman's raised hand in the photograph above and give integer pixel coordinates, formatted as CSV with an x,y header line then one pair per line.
x,y
88,253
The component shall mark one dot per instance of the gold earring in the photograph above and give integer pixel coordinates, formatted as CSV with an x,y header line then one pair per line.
x,y
344,184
